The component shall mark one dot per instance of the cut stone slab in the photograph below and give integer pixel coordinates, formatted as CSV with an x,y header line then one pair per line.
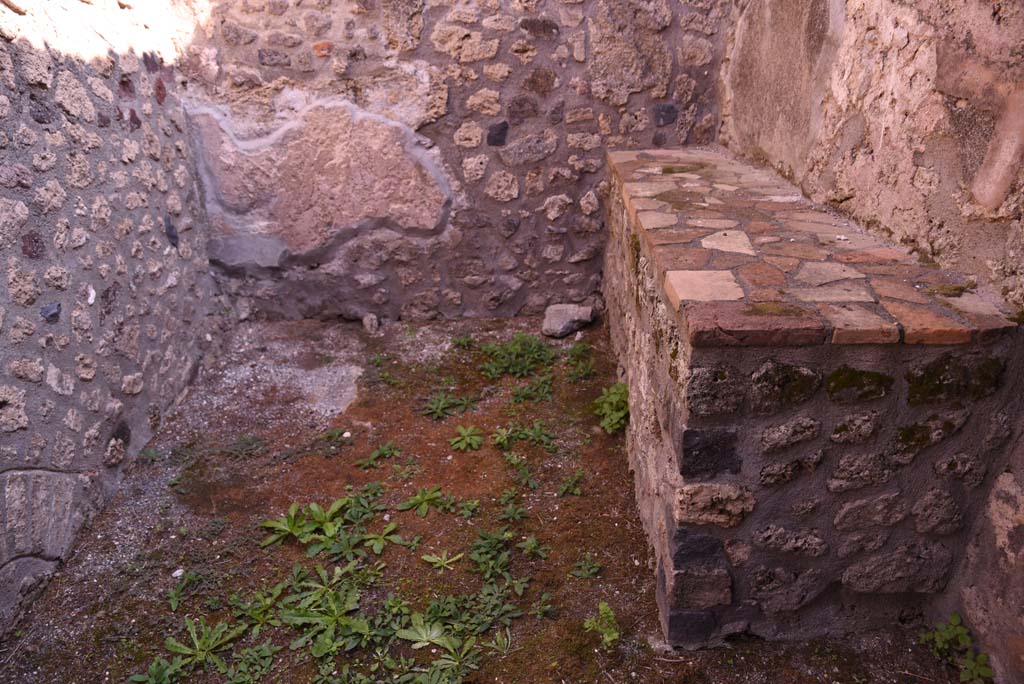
x,y
742,324
701,286
729,241
921,325
852,324
652,220
838,292
561,320
821,273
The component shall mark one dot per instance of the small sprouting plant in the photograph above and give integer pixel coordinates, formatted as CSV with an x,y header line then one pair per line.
x,y
246,446
442,562
952,643
175,595
612,407
512,513
581,366
377,542
502,643
522,475
572,485
604,623
464,342
467,509
586,568
252,664
388,450
541,608
422,501
537,390
206,643
531,547
468,438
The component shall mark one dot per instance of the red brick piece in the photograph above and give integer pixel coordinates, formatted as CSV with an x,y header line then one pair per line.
x,y
744,324
921,325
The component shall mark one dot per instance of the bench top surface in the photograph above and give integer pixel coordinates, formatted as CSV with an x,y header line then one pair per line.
x,y
745,259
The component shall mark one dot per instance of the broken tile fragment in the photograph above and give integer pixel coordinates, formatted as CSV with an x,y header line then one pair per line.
x,y
701,286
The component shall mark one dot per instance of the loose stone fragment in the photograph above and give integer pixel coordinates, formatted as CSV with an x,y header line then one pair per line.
x,y
561,320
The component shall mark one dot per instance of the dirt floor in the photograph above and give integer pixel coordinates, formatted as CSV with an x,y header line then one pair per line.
x,y
283,417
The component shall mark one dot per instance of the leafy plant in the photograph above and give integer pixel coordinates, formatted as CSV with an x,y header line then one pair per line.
x,y
291,525
467,509
520,357
442,562
612,407
952,643
572,485
422,501
252,664
586,568
246,446
440,406
259,611
206,643
604,623
542,608
161,671
175,595
502,642
464,342
512,513
468,438
581,366
531,547
522,476
388,450
537,390
377,542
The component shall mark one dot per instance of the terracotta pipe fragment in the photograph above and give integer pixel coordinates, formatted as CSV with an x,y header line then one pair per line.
x,y
1004,155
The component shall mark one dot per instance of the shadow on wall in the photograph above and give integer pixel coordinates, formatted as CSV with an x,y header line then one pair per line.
x,y
105,297
416,160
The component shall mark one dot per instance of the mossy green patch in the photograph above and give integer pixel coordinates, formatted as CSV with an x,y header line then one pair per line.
x,y
950,378
952,291
851,384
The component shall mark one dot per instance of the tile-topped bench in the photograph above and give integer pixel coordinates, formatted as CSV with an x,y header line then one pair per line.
x,y
816,415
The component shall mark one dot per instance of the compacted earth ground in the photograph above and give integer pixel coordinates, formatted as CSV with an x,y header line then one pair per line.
x,y
432,504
